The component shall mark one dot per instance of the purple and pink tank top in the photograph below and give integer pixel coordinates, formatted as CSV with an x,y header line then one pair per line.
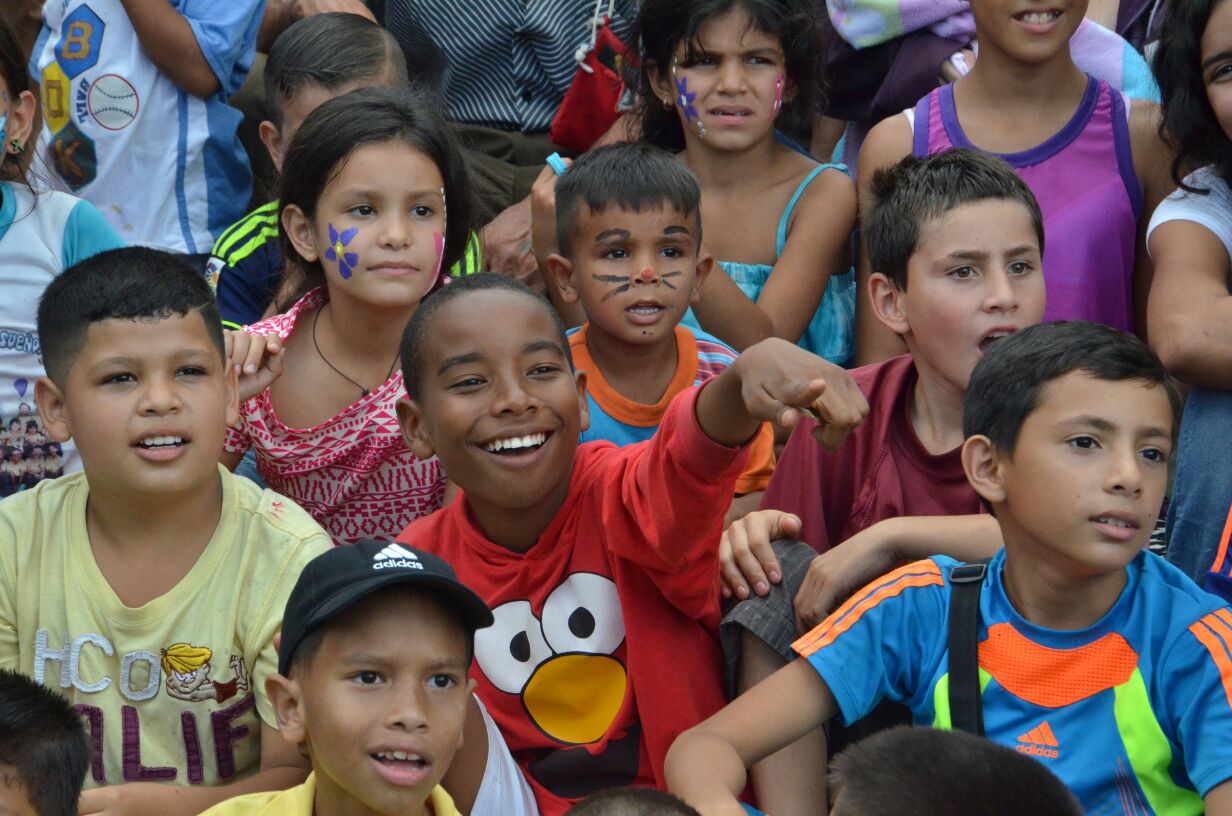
x,y
1084,179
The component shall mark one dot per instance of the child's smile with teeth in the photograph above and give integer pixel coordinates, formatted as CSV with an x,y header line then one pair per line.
x,y
517,444
161,442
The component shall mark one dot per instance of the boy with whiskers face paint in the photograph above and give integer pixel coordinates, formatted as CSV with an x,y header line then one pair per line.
x,y
630,235
600,563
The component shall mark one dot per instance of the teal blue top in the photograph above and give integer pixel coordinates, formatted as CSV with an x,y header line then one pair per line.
x,y
831,332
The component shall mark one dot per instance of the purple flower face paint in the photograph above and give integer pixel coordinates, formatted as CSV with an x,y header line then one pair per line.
x,y
685,99
337,250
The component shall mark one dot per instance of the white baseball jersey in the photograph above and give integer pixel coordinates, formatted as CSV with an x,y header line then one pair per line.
x,y
164,167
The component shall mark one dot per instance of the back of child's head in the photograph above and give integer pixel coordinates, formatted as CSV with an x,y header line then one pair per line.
x,y
1009,381
1189,123
135,283
627,176
417,336
44,750
664,27
632,802
329,51
927,772
909,194
16,78
332,133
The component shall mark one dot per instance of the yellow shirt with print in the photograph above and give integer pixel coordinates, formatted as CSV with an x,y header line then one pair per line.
x,y
172,691
298,801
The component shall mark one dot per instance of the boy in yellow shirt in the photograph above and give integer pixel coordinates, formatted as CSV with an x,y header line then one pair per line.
x,y
377,641
148,588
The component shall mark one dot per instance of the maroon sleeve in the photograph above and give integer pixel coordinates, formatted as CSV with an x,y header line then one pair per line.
x,y
796,486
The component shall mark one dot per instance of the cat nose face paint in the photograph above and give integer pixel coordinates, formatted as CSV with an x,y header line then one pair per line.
x,y
646,275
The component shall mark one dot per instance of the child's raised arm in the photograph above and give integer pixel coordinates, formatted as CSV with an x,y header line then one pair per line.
x,y
706,764
168,39
778,381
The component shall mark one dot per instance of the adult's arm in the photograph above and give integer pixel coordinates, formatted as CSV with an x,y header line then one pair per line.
x,y
168,40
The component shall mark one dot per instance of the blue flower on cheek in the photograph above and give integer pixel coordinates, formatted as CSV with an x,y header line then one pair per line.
x,y
337,250
685,99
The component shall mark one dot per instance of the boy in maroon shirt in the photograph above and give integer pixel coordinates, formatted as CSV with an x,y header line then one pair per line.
x,y
955,242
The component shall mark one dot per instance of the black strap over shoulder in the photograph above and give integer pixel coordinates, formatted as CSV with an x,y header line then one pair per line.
x,y
966,709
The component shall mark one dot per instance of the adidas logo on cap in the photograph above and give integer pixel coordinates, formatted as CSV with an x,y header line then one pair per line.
x,y
395,555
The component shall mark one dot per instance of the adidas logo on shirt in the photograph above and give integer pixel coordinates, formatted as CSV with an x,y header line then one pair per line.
x,y
395,555
1040,742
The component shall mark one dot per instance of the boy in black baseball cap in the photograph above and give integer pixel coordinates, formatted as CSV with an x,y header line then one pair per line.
x,y
377,640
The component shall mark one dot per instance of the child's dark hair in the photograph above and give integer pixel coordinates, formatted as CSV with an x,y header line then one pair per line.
x,y
916,190
418,329
367,116
134,283
632,177
663,25
928,772
632,802
42,738
16,78
1007,382
329,50
1188,123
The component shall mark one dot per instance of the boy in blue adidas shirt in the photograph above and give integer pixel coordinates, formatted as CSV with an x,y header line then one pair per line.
x,y
1097,658
136,115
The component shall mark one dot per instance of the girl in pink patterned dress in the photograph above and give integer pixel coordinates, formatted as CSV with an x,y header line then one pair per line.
x,y
366,230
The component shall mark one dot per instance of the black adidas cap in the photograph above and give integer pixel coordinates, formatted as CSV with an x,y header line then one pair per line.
x,y
338,579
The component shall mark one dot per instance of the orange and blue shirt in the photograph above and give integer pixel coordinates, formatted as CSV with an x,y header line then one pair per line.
x,y
1132,713
618,419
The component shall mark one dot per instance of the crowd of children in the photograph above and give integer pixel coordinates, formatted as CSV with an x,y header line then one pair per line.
x,y
804,487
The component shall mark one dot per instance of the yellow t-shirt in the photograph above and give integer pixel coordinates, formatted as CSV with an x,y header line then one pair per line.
x,y
172,691
298,801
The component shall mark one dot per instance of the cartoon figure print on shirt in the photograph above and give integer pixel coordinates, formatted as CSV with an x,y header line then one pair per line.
x,y
566,664
67,89
170,720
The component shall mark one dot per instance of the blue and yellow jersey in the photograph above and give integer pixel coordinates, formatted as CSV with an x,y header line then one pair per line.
x,y
1132,713
246,265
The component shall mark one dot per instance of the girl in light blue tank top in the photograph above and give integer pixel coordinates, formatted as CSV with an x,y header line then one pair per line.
x,y
715,87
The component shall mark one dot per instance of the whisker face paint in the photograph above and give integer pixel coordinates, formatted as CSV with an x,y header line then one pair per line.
x,y
663,279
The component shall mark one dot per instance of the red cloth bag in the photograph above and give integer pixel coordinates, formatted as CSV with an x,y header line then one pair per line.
x,y
591,105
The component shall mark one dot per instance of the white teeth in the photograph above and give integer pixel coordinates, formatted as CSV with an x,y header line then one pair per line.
x,y
1112,522
516,442
399,756
161,441
1039,17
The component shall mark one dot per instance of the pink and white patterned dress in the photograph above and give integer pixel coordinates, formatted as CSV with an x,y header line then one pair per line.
x,y
353,472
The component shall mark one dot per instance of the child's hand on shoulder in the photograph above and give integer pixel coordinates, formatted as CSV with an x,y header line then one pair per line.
x,y
781,382
543,212
257,359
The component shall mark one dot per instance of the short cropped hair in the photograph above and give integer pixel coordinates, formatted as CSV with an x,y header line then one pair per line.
x,y
916,190
133,283
928,772
418,329
329,50
43,739
632,802
1007,382
627,176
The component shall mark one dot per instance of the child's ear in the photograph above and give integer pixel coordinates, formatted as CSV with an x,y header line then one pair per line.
x,y
271,137
662,85
982,463
579,381
561,269
887,303
52,408
300,231
20,124
705,264
414,430
286,697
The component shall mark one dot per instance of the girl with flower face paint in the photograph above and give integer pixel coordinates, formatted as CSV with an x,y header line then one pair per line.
x,y
719,78
366,231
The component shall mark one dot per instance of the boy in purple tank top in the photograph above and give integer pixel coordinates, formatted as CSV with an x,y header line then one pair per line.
x,y
1095,161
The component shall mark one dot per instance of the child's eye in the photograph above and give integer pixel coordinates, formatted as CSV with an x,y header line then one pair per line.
x,y
1221,72
423,211
363,210
1156,455
192,371
1020,268
367,678
466,382
1084,442
616,254
119,378
442,681
671,252
963,272
544,370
